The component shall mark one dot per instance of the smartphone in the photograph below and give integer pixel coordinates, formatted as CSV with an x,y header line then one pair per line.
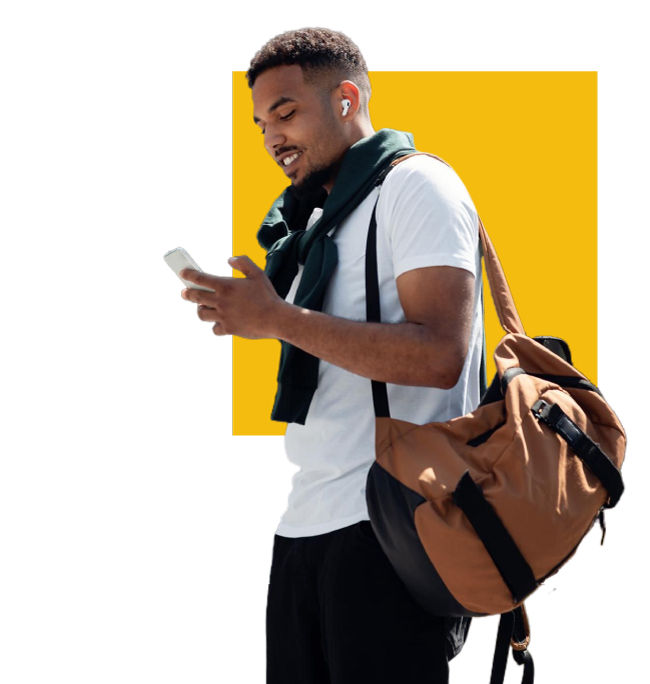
x,y
178,259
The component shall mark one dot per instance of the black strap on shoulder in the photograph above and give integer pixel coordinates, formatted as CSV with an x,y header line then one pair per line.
x,y
584,448
373,310
512,566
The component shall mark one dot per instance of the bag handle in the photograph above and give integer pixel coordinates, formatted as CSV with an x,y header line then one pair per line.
x,y
503,301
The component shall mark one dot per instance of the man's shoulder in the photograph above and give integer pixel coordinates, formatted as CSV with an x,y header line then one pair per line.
x,y
425,176
420,165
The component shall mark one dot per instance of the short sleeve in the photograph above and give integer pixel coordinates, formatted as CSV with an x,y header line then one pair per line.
x,y
429,217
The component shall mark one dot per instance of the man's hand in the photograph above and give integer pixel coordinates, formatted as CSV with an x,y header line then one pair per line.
x,y
246,307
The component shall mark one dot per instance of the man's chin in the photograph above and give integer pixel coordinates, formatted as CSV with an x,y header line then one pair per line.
x,y
311,182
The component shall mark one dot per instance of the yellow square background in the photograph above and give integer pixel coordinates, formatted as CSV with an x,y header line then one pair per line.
x,y
525,146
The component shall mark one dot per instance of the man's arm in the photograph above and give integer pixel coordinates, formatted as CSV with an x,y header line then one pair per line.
x,y
428,350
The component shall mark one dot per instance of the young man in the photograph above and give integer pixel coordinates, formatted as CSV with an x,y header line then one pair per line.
x,y
337,612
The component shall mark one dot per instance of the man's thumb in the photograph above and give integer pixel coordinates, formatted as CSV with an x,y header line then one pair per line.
x,y
244,265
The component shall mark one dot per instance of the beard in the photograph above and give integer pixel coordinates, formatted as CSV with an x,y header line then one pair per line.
x,y
314,180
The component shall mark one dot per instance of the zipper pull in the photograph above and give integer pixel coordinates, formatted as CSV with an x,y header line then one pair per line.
x,y
601,519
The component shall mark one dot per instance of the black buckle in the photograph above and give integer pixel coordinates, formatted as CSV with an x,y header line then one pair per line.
x,y
541,409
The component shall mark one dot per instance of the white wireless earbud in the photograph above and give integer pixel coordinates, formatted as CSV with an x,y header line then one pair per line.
x,y
346,105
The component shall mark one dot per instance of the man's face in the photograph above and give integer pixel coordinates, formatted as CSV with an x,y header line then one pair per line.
x,y
301,132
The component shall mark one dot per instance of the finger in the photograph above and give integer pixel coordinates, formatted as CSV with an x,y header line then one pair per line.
x,y
205,279
245,265
217,329
207,313
191,294
188,274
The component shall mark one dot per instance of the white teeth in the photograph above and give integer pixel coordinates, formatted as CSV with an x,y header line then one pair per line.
x,y
287,160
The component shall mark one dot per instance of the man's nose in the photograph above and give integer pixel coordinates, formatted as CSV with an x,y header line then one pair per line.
x,y
273,139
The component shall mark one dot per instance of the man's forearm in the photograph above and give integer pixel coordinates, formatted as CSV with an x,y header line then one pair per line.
x,y
398,353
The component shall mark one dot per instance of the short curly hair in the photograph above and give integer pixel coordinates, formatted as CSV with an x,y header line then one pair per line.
x,y
326,57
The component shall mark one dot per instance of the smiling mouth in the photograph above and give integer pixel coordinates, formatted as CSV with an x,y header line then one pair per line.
x,y
290,160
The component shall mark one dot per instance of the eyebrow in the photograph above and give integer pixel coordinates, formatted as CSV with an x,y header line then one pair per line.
x,y
280,101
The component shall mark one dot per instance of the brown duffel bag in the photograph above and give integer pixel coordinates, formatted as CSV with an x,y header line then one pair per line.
x,y
476,512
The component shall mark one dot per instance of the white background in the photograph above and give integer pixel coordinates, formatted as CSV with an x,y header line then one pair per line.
x,y
135,531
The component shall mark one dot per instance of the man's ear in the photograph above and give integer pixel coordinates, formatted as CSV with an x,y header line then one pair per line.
x,y
347,90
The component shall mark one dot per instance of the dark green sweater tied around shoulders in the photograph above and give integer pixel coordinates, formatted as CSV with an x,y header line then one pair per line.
x,y
288,244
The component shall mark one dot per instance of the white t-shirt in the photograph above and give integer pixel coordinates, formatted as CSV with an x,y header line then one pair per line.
x,y
425,217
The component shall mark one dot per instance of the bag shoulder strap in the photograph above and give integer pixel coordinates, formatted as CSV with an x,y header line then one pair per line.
x,y
373,306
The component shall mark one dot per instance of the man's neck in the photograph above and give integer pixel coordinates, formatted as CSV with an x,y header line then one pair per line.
x,y
364,130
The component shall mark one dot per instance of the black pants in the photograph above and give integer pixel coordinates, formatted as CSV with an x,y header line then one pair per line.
x,y
337,613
